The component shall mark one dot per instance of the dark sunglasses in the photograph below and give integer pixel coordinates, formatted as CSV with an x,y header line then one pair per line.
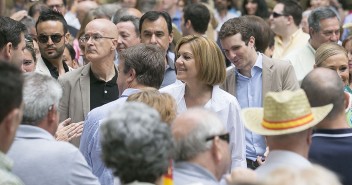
x,y
45,38
224,137
275,15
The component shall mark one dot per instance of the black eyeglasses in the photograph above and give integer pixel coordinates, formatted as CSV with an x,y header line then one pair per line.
x,y
56,38
275,15
95,37
225,137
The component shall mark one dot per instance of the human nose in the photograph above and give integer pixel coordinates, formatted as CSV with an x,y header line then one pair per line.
x,y
153,39
231,55
335,37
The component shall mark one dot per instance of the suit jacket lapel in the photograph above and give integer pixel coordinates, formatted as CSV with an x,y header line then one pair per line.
x,y
267,75
84,82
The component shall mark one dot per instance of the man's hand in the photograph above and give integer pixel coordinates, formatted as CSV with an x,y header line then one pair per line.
x,y
66,130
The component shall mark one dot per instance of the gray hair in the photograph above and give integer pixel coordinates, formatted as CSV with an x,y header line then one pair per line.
x,y
129,18
148,61
320,14
40,93
106,10
136,144
194,142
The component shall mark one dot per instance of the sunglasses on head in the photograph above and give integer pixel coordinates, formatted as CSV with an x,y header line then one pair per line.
x,y
56,38
224,137
275,15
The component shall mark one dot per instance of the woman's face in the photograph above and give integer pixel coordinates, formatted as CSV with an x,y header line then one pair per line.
x,y
338,63
348,47
251,7
185,64
28,64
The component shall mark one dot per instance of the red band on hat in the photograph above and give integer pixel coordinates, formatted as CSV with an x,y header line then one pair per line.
x,y
283,125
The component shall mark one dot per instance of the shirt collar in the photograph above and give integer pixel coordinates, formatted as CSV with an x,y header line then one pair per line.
x,y
5,162
53,70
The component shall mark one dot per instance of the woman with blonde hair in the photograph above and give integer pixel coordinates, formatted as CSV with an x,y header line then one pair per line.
x,y
333,56
162,102
200,66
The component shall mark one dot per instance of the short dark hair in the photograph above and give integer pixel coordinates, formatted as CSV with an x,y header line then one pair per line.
x,y
36,7
199,16
247,26
11,82
294,9
51,15
10,31
153,16
71,50
148,62
30,47
262,10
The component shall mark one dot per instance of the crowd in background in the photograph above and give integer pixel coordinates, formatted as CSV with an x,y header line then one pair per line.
x,y
140,92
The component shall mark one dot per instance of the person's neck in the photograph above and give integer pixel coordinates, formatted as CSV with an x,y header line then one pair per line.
x,y
286,36
197,89
300,149
223,12
103,70
246,71
339,122
206,161
58,63
313,44
172,11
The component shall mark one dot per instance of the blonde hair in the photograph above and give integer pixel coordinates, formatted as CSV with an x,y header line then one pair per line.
x,y
208,58
327,50
164,103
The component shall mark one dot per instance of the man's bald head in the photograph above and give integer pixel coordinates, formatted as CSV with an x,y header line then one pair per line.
x,y
324,86
105,27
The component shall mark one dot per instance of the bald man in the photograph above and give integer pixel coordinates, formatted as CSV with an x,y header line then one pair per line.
x,y
94,84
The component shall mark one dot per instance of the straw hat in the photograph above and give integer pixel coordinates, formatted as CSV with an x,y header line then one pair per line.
x,y
284,113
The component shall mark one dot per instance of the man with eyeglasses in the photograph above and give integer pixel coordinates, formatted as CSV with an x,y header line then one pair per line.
x,y
284,21
94,84
52,35
12,41
202,152
324,26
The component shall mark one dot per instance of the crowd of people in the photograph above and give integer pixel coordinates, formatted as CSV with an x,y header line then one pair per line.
x,y
143,92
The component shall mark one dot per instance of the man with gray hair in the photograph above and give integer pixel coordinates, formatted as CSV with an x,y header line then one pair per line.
x,y
324,26
136,144
202,153
34,137
139,66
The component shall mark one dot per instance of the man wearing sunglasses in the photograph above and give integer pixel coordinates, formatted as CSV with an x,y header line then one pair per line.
x,y
94,84
52,35
324,26
284,21
12,41
202,152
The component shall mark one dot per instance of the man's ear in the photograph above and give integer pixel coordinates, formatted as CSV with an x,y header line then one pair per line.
x,y
67,37
171,37
114,44
7,51
52,114
251,41
311,31
11,121
216,150
131,76
188,24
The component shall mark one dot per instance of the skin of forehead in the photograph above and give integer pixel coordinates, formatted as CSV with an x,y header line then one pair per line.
x,y
103,25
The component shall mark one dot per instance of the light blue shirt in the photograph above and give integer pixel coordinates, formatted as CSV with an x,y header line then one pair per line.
x,y
170,74
90,141
250,94
191,173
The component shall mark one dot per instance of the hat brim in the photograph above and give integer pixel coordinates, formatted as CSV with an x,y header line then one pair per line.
x,y
253,118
